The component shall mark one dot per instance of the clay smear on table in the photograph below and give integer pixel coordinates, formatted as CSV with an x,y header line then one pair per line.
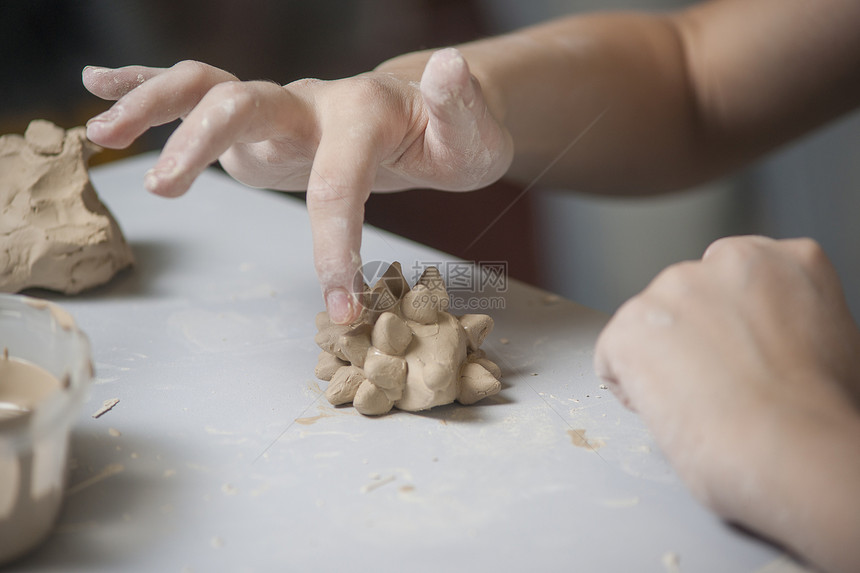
x,y
54,231
406,351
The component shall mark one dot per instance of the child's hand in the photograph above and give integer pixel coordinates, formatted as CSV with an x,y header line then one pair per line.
x,y
746,367
338,139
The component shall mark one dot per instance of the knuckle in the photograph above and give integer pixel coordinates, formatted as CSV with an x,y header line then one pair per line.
x,y
678,277
305,83
306,90
191,68
809,252
196,75
743,254
732,248
323,197
234,99
369,89
363,94
236,92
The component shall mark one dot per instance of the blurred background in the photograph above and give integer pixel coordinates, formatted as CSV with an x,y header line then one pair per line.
x,y
597,251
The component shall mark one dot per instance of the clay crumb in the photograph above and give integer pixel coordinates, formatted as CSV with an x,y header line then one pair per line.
x,y
578,438
551,299
504,340
106,407
376,484
114,432
672,562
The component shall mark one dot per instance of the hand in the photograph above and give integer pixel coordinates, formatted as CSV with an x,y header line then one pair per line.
x,y
338,139
746,367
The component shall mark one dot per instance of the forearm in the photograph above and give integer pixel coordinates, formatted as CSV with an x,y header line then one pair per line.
x,y
563,91
635,102
800,484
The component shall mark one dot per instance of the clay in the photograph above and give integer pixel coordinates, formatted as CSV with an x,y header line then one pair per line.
x,y
406,351
344,384
29,493
327,365
106,407
54,231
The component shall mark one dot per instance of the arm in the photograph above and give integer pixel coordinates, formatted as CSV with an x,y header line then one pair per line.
x,y
746,367
336,139
687,95
679,97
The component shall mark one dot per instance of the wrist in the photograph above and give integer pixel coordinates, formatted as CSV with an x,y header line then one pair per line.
x,y
477,54
797,482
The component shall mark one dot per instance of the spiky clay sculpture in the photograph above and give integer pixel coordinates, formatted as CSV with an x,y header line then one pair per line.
x,y
405,350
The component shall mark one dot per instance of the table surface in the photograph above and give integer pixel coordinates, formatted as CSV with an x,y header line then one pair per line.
x,y
223,455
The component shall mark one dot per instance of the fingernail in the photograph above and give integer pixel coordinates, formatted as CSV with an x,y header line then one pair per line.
x,y
105,117
95,69
339,305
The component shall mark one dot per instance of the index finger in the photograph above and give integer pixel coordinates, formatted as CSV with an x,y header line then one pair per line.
x,y
113,83
340,182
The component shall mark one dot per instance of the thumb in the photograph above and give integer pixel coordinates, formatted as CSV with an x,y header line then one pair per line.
x,y
460,127
449,90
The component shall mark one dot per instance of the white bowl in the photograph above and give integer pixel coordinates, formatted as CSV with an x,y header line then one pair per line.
x,y
34,433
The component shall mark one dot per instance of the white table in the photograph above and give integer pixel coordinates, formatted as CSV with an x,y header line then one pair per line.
x,y
223,455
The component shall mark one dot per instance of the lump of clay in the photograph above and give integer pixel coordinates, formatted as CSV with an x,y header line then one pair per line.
x,y
54,231
406,351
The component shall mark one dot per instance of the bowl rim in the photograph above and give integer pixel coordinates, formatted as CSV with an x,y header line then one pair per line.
x,y
57,411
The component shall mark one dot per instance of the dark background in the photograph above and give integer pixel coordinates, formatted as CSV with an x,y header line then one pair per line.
x,y
595,250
